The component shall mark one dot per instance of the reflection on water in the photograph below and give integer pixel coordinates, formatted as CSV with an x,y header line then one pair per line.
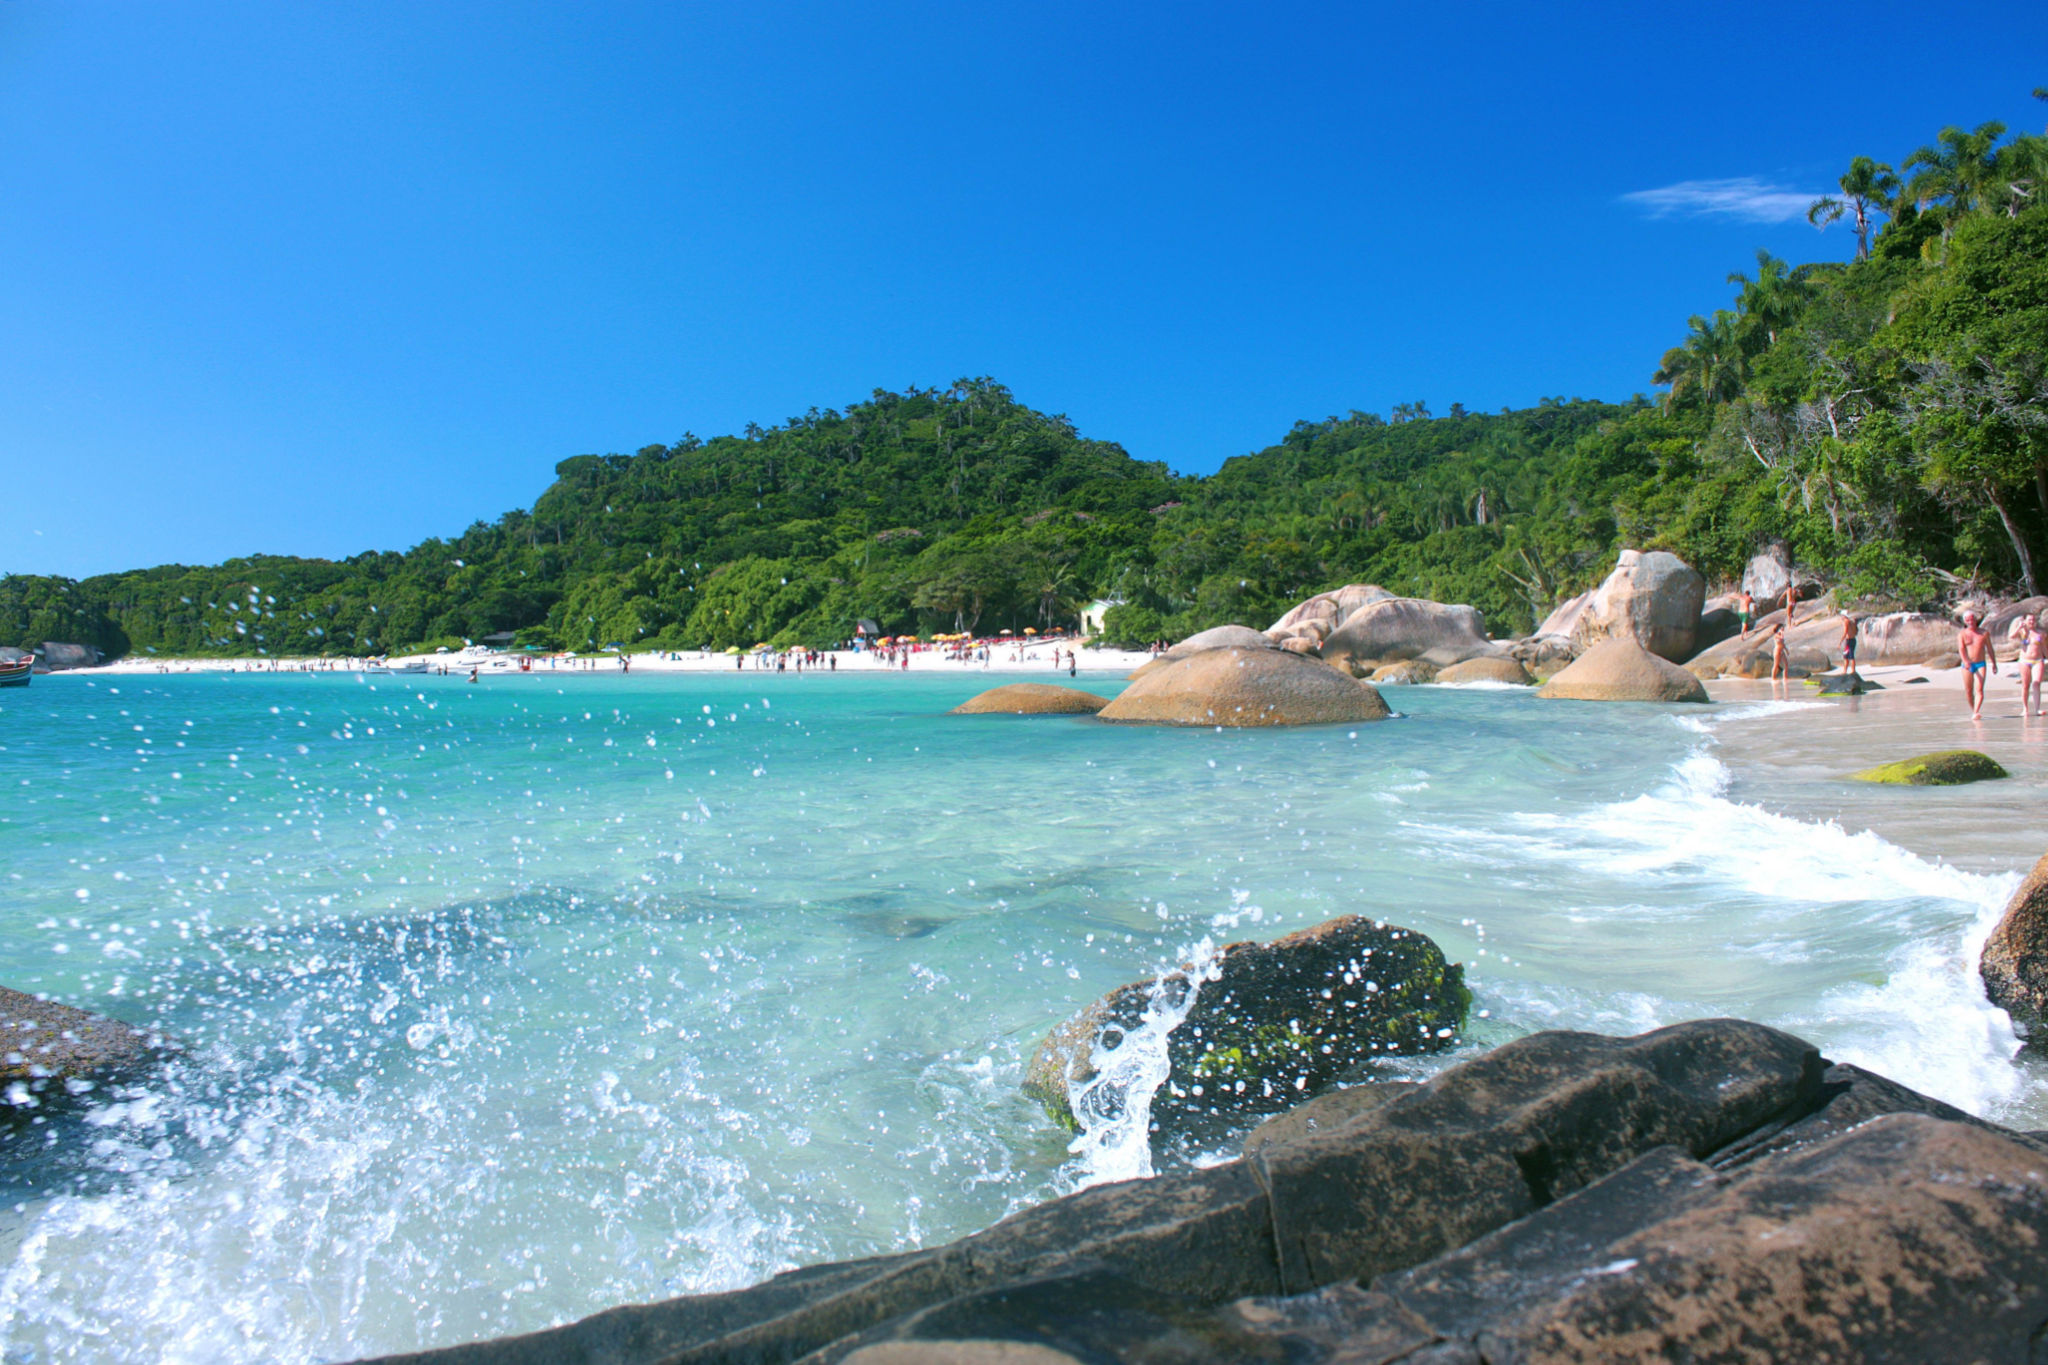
x,y
503,1004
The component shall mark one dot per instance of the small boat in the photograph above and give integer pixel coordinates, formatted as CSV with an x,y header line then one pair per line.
x,y
17,672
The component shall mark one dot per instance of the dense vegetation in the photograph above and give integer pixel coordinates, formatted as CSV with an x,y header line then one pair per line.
x,y
1887,418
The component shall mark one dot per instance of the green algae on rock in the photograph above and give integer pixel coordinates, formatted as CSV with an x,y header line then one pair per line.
x,y
1949,768
1280,1021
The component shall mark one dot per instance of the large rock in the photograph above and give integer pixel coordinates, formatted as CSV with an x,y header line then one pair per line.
x,y
1221,637
1245,687
2014,964
1622,670
51,1051
1280,1022
1330,608
1767,575
1477,1148
1652,598
1396,629
1031,699
1501,670
1948,768
1908,1239
58,657
1564,618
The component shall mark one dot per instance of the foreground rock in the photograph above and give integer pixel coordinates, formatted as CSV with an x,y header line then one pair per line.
x,y
1031,699
1949,768
1244,687
1281,1022
50,1051
1710,1191
1502,670
1622,670
2014,964
1652,598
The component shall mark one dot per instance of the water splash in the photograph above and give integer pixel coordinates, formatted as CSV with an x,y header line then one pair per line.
x,y
1114,1105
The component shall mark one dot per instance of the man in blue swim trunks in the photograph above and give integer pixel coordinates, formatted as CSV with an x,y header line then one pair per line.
x,y
1973,643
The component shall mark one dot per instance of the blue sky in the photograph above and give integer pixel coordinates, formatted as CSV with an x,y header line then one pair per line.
x,y
317,279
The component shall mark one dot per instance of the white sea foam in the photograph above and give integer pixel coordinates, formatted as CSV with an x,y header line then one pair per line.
x,y
1925,1022
1114,1105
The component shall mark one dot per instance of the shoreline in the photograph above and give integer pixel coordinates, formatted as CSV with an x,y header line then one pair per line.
x,y
1031,660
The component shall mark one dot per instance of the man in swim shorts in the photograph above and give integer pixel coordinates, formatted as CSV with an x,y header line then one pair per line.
x,y
1849,644
1745,611
1973,644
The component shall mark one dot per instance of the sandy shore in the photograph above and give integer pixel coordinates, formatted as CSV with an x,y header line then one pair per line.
x,y
1033,660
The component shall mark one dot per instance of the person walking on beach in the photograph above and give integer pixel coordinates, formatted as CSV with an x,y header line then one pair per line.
x,y
1745,611
1973,644
2033,665
1849,644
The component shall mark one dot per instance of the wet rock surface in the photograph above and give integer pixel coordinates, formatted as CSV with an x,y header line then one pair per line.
x,y
49,1052
2014,964
1280,1021
1709,1191
1949,768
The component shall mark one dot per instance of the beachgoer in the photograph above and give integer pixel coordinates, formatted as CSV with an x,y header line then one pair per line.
x,y
1745,612
1973,643
2033,665
1781,658
1849,644
1791,602
472,675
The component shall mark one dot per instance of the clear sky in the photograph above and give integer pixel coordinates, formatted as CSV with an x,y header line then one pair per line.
x,y
321,278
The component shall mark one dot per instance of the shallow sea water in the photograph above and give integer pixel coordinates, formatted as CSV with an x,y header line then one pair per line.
x,y
501,1004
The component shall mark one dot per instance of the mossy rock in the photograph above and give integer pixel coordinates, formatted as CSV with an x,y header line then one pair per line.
x,y
1949,768
1282,1021
1843,685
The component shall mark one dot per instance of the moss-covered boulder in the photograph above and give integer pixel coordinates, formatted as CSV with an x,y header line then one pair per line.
x,y
1281,1021
1031,699
1949,768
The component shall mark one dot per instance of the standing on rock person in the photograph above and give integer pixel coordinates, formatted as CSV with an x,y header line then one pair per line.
x,y
1973,645
1849,644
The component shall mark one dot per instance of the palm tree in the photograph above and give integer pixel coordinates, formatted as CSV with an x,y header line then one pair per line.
x,y
2020,166
1957,171
1867,187
1708,367
1770,301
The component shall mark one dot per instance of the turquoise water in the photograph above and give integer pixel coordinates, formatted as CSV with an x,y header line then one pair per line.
x,y
505,1003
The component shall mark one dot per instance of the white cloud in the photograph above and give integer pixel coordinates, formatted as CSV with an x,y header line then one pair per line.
x,y
1747,198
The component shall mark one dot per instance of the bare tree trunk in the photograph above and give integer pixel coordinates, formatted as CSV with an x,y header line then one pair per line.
x,y
2019,543
2041,485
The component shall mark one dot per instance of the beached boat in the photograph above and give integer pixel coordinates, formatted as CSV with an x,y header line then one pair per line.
x,y
17,672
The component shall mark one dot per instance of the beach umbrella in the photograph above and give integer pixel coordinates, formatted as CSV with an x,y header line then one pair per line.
x,y
1031,630
734,649
1008,631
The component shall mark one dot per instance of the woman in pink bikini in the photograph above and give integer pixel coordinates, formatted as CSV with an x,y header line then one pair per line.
x,y
2033,664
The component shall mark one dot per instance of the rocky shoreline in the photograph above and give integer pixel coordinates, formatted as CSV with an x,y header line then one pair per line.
x,y
1714,1190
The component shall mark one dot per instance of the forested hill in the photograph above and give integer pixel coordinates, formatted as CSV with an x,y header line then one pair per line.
x,y
1888,418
